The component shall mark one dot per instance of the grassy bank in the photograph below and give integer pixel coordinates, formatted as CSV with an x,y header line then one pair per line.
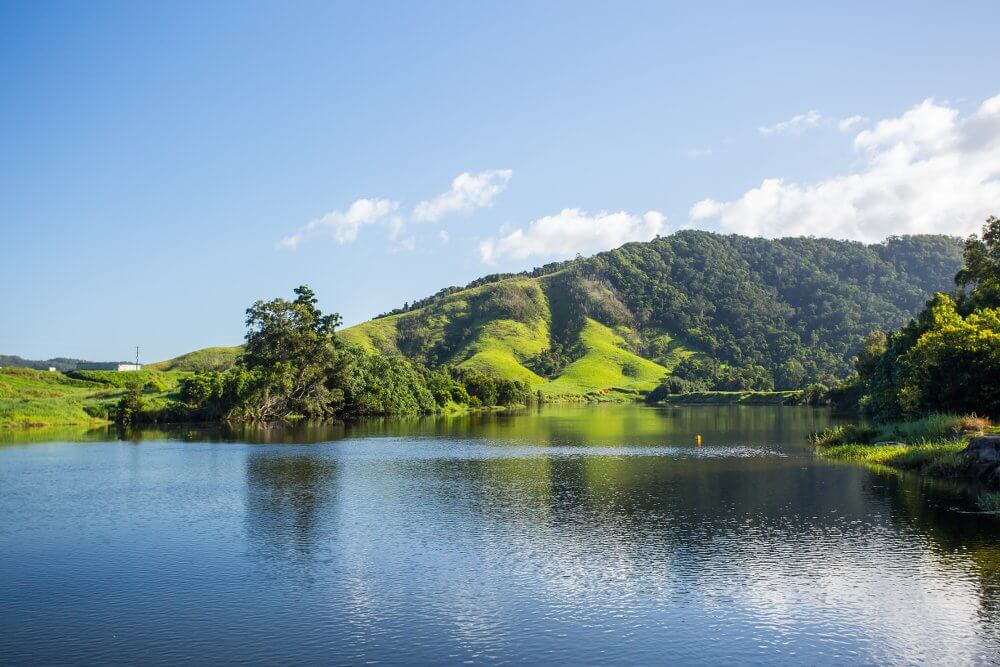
x,y
928,446
736,398
30,398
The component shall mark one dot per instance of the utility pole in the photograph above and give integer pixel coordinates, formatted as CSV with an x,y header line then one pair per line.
x,y
136,357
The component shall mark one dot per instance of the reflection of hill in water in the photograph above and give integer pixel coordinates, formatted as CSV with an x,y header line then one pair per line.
x,y
558,535
490,494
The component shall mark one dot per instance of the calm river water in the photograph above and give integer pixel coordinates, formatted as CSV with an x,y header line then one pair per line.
x,y
565,535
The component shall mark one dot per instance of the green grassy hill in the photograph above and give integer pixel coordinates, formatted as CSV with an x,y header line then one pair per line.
x,y
791,310
207,359
30,397
509,328
787,311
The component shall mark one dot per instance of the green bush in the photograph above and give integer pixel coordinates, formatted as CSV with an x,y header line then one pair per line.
x,y
131,404
933,427
848,434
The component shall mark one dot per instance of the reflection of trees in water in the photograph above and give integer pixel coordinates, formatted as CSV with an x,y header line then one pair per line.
x,y
944,512
287,499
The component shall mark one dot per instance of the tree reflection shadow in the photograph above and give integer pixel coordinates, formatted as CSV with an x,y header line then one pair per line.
x,y
287,497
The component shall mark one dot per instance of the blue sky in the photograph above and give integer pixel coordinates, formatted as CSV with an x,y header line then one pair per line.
x,y
166,164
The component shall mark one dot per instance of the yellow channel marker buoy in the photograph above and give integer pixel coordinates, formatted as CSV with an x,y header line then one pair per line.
x,y
697,440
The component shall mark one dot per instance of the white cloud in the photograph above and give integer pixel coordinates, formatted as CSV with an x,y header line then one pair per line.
x,y
927,171
443,235
794,125
468,191
572,231
699,152
848,124
345,225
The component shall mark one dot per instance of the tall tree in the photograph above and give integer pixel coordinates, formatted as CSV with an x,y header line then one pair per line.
x,y
292,357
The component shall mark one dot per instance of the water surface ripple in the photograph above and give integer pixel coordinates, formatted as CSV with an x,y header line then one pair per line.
x,y
569,536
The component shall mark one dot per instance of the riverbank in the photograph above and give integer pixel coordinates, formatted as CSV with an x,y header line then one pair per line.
x,y
31,398
735,398
34,399
935,446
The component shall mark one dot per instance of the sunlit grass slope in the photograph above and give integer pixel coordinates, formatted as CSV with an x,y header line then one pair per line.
x,y
492,328
34,398
506,346
501,346
606,365
207,359
41,398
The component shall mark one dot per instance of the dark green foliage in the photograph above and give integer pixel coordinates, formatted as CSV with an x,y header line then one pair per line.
x,y
131,404
773,313
293,365
707,374
759,303
550,362
669,387
292,357
200,388
948,358
383,385
444,387
816,394
490,390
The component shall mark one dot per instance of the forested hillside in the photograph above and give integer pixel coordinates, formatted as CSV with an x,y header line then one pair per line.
x,y
722,312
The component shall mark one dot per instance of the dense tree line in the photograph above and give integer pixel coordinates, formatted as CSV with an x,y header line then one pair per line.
x,y
798,308
947,359
293,364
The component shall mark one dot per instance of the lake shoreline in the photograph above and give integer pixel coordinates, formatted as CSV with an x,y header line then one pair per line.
x,y
936,447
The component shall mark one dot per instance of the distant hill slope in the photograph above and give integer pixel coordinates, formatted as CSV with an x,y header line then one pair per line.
x,y
58,363
792,310
207,359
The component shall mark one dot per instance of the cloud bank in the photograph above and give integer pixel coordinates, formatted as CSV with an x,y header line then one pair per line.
x,y
345,225
572,231
467,192
927,171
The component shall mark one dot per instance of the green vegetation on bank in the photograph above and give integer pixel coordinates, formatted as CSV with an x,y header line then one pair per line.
x,y
690,313
713,312
732,398
295,365
292,365
910,383
947,359
929,446
31,398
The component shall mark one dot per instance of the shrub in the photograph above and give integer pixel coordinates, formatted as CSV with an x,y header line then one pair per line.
x,y
131,404
989,501
848,434
933,427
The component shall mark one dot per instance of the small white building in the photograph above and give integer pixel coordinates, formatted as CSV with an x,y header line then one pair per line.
x,y
52,369
129,367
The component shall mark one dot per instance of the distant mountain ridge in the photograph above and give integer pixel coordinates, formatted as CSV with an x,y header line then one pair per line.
x,y
59,363
761,312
